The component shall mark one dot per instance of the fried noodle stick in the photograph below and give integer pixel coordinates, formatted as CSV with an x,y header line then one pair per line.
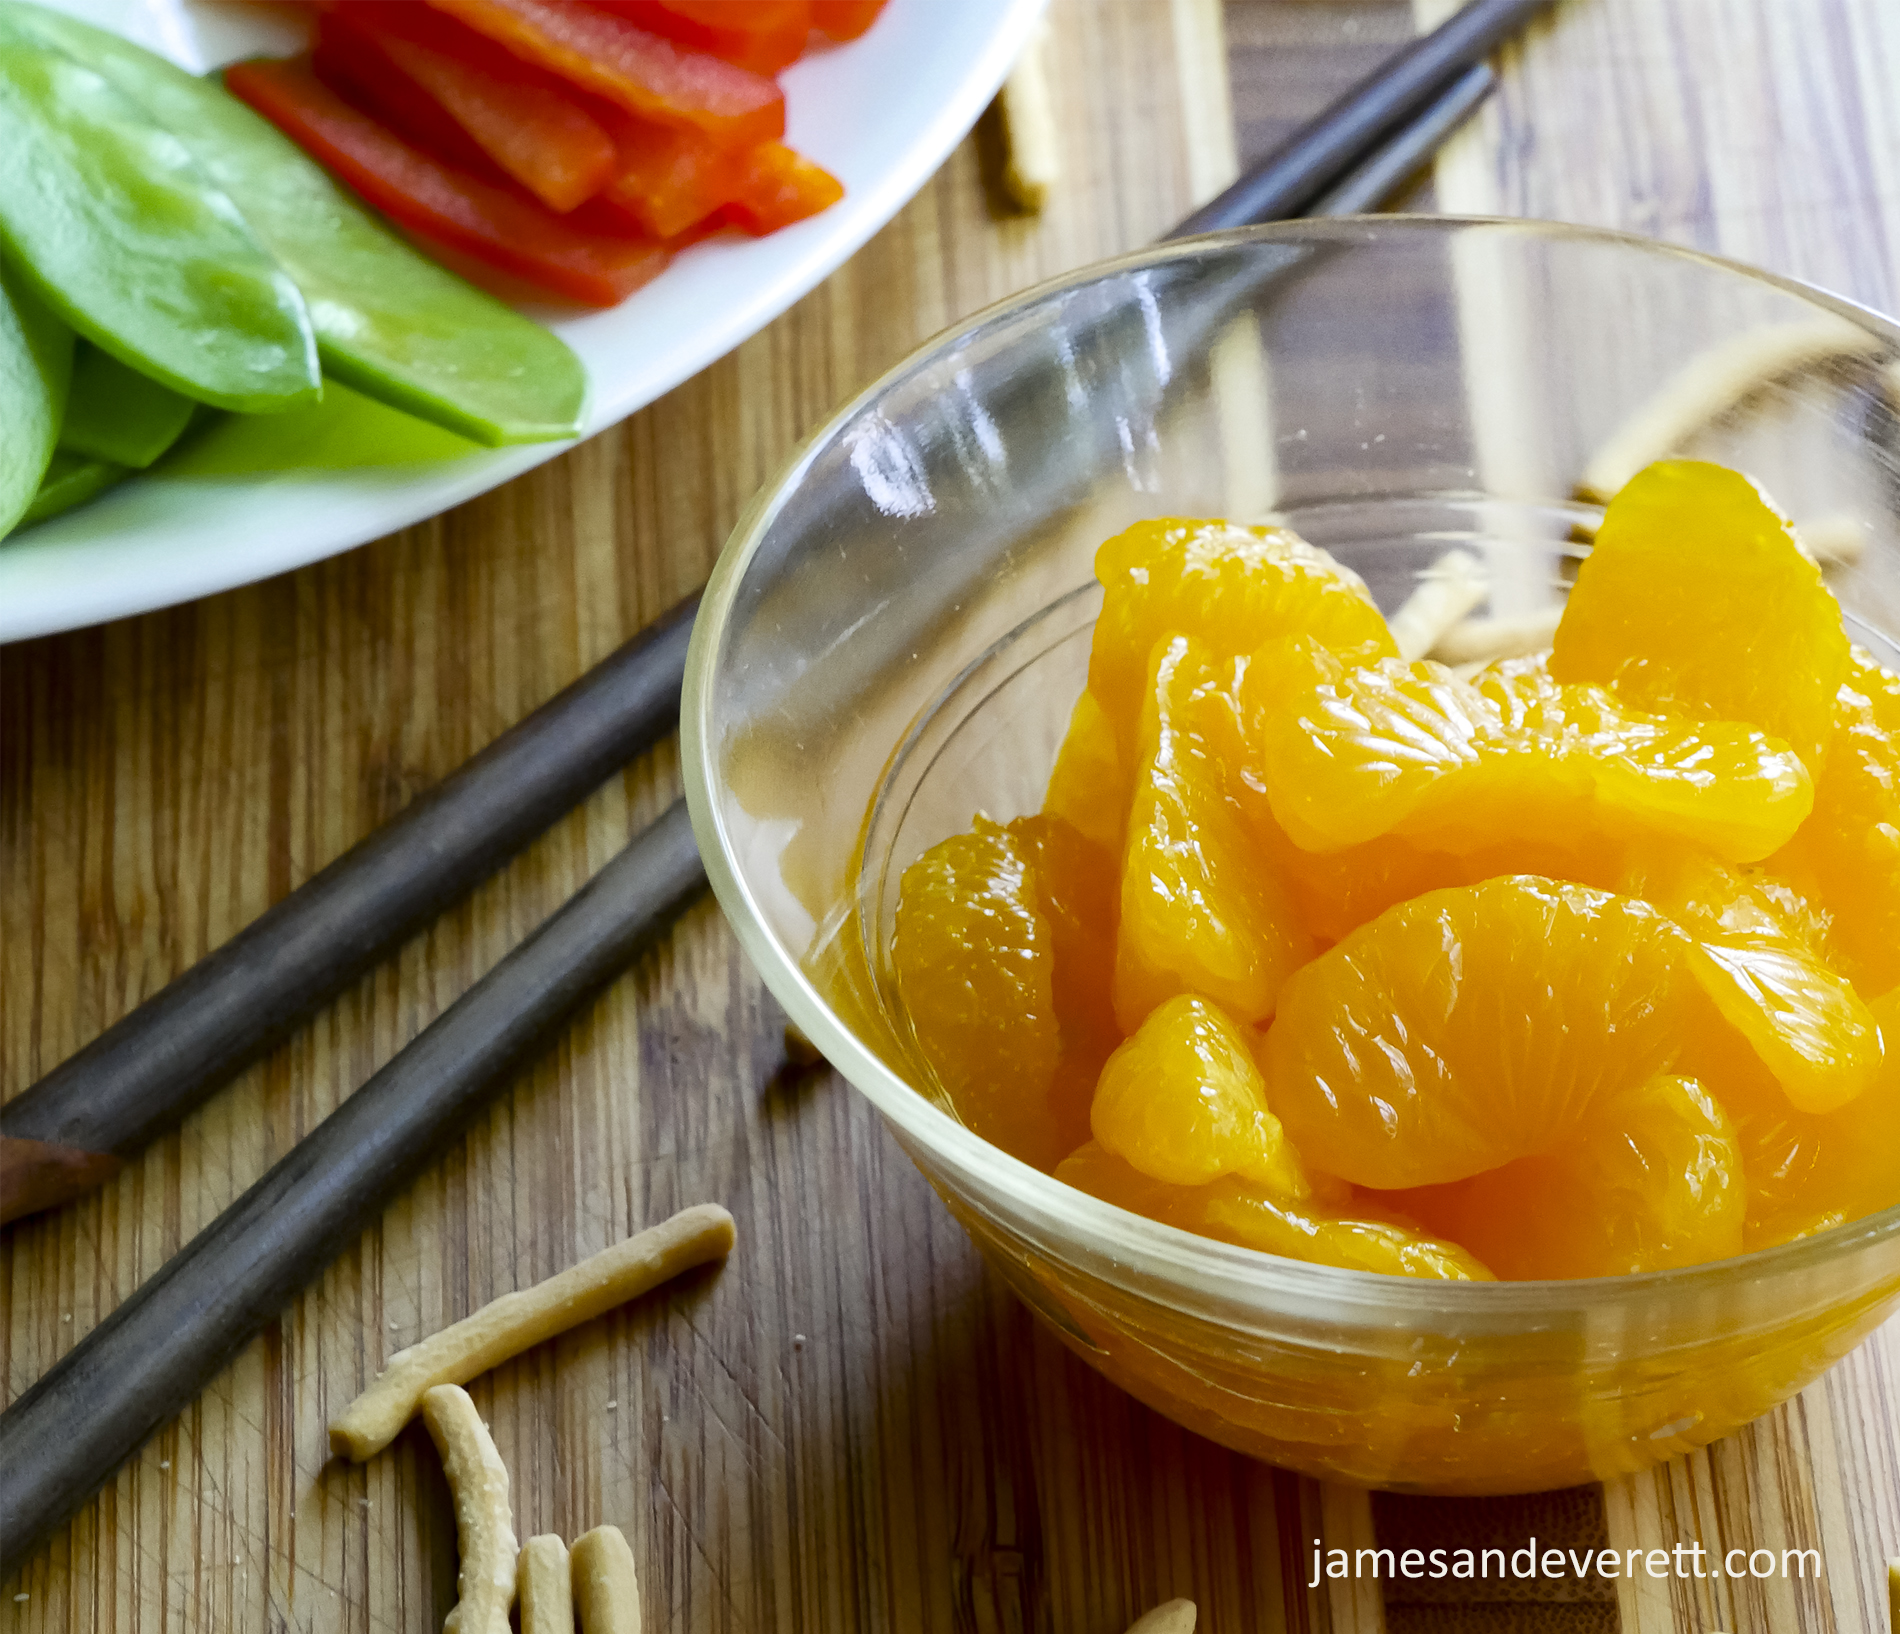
x,y
1445,593
1176,1617
1029,127
484,1522
1711,384
606,1591
1483,640
519,1321
542,1587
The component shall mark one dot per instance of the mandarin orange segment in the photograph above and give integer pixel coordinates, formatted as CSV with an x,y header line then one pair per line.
x,y
1847,855
1807,1024
1078,887
1287,666
1203,909
1807,1172
1802,1019
1585,856
1335,892
1867,1129
1411,749
1698,600
1182,1101
1237,1211
1089,787
1347,760
1253,1219
974,963
1708,898
1653,1180
1522,690
1229,587
1720,783
1471,1027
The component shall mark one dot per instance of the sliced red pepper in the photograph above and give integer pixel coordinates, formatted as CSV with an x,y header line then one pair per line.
x,y
597,215
762,35
505,228
602,52
520,118
348,62
670,179
778,187
844,19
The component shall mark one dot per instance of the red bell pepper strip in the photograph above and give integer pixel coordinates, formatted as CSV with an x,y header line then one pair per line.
x,y
762,35
643,73
349,63
778,187
520,118
669,179
495,224
597,215
844,19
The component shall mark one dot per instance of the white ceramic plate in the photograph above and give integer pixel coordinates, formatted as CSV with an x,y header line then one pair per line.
x,y
259,496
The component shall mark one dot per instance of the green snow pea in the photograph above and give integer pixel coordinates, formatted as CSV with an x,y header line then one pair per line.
x,y
119,415
70,480
36,361
389,322
119,232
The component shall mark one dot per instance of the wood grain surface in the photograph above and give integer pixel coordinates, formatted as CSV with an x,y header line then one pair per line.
x,y
852,1426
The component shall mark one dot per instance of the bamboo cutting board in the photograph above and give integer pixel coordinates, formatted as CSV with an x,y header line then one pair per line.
x,y
850,1427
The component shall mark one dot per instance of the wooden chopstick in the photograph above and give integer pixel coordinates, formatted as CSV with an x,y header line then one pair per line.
x,y
147,1360
148,1069
1388,170
66,1434
1295,177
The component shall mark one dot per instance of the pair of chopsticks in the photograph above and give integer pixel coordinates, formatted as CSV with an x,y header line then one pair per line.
x,y
67,1433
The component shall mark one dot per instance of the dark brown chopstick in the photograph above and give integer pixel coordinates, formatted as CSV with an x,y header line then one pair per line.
x,y
1294,178
151,1067
1388,170
153,1354
64,1437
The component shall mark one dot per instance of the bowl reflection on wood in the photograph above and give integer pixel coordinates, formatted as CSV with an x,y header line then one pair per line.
x,y
900,625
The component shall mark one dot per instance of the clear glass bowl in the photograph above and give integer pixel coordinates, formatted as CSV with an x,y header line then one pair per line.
x,y
898,629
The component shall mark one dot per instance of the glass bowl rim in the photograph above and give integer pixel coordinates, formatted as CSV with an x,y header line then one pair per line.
x,y
1129,1245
